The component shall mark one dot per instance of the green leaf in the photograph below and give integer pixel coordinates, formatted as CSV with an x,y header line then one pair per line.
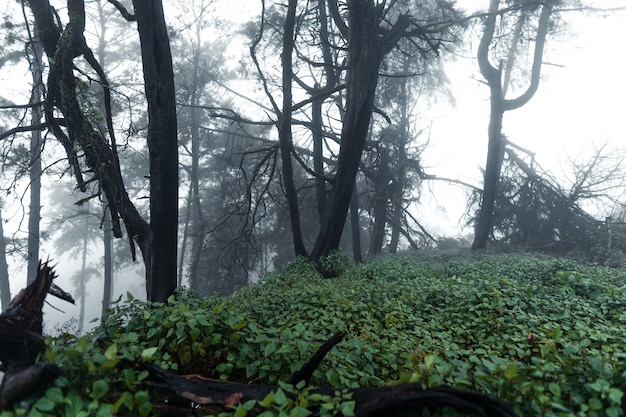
x,y
148,353
555,389
268,400
45,404
594,404
615,395
105,410
347,408
280,398
111,352
510,371
55,394
270,348
144,408
299,412
34,413
99,388
614,411
126,399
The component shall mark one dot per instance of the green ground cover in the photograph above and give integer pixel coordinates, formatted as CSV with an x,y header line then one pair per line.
x,y
455,319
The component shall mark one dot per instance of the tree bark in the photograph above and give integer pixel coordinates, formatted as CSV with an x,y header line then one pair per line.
x,y
162,146
331,80
355,221
381,198
34,170
284,131
197,243
99,156
366,52
82,284
107,242
499,105
5,290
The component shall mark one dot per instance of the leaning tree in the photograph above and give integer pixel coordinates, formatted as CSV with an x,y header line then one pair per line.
x,y
370,31
503,39
67,118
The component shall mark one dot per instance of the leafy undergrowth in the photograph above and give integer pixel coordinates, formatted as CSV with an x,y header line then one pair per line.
x,y
545,334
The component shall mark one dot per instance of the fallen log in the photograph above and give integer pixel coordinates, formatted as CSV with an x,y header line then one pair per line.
x,y
369,402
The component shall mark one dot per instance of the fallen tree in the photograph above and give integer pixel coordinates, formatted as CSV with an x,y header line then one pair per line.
x,y
22,342
21,327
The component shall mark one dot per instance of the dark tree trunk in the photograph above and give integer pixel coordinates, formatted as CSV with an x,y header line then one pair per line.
x,y
284,131
197,242
316,110
366,51
34,171
381,198
396,189
499,105
82,290
318,156
107,236
99,157
163,147
495,155
355,221
5,290
183,245
107,242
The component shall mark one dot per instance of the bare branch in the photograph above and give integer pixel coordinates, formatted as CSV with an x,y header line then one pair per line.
x,y
123,11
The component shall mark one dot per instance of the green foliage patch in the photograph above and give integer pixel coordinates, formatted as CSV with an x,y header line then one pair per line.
x,y
545,334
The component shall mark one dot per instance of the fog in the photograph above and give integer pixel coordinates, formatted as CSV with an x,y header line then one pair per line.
x,y
577,108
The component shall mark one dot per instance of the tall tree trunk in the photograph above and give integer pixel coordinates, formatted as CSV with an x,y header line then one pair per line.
x,y
495,156
284,131
34,171
355,221
331,80
163,147
99,157
183,245
5,290
366,52
107,240
318,156
83,279
381,198
107,236
396,189
499,105
197,243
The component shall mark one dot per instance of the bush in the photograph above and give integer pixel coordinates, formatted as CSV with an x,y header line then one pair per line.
x,y
543,333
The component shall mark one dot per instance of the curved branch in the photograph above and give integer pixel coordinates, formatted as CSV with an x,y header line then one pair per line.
x,y
535,76
123,11
491,74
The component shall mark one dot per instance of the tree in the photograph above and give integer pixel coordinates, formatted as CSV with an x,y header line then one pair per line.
x,y
5,290
162,145
343,82
367,49
35,171
498,77
62,46
534,210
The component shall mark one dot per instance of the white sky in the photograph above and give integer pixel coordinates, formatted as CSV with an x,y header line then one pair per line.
x,y
578,103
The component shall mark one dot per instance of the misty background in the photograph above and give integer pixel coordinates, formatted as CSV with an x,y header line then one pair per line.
x,y
234,226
